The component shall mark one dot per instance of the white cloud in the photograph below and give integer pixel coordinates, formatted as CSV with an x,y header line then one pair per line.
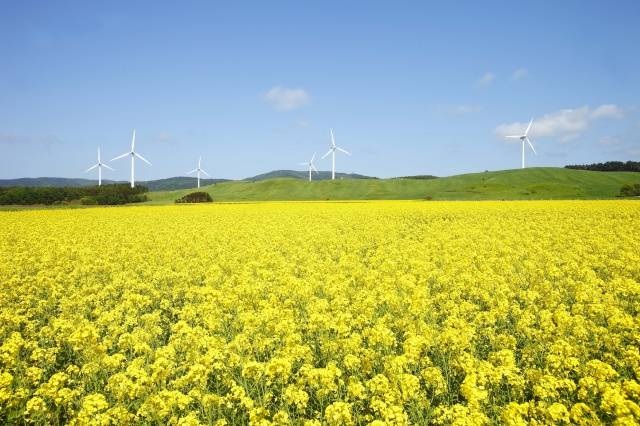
x,y
286,99
607,111
486,79
565,124
519,74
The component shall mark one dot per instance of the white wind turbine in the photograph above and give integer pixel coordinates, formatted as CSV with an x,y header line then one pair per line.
x,y
332,151
198,170
311,166
133,155
99,165
524,138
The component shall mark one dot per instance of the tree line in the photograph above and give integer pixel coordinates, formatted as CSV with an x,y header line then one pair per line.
x,y
99,195
609,166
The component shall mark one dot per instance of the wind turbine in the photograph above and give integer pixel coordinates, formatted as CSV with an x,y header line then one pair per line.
x,y
524,138
198,170
99,165
133,155
311,166
332,151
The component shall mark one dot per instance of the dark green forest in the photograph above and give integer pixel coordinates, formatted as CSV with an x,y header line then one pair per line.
x,y
609,166
89,195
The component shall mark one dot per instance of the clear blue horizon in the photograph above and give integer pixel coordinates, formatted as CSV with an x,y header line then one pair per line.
x,y
408,87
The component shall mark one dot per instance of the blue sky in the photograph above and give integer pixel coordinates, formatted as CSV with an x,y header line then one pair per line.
x,y
409,87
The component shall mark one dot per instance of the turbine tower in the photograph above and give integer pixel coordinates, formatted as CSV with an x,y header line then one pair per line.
x,y
99,165
133,155
198,170
332,151
524,138
311,166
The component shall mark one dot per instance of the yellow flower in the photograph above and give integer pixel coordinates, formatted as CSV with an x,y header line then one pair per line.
x,y
36,409
338,413
322,313
558,413
293,395
355,389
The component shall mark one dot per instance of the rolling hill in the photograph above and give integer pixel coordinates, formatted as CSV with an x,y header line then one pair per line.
x,y
519,184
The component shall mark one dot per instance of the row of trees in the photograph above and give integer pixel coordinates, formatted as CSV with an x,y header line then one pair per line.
x,y
609,166
103,195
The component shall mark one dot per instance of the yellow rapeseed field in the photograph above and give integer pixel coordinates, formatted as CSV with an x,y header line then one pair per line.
x,y
322,313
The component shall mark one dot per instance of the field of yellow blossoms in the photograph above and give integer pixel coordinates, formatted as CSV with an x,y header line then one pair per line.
x,y
322,313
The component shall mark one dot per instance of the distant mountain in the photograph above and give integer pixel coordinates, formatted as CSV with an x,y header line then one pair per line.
x,y
179,182
174,183
169,184
322,175
51,181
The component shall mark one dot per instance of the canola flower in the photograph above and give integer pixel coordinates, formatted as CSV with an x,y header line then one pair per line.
x,y
378,313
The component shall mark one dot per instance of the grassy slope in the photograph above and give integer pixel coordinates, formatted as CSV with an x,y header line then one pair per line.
x,y
533,183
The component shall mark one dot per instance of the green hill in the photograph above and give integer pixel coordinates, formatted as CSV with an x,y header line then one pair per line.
x,y
533,183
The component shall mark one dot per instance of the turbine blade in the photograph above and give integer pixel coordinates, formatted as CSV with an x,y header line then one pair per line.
x,y
142,158
526,132
534,150
91,168
343,150
104,165
205,173
333,140
303,164
133,140
121,156
329,152
314,168
192,171
313,157
512,137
